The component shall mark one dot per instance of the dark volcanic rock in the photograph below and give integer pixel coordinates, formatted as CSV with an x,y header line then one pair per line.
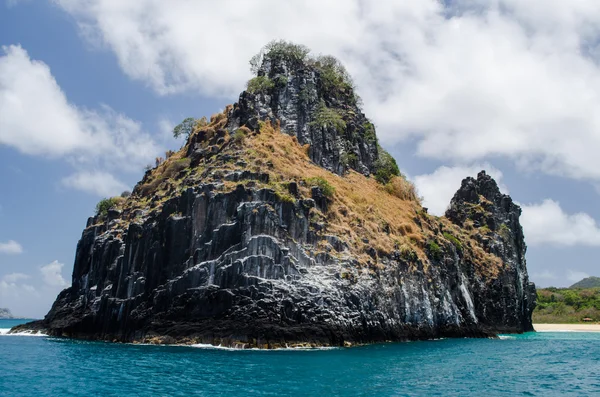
x,y
480,201
225,259
294,102
237,268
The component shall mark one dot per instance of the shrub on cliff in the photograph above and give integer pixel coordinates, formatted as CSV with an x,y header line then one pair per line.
x,y
239,137
456,242
260,85
184,128
326,187
434,250
401,188
279,49
334,76
106,204
325,116
385,167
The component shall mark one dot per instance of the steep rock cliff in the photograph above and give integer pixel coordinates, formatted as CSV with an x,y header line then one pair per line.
x,y
267,230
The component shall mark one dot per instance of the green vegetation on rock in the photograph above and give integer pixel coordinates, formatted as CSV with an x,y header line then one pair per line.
x,y
260,85
106,204
279,49
335,77
456,242
184,128
325,116
326,187
385,167
435,250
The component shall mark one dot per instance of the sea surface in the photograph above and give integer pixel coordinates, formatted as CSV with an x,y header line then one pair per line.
x,y
542,364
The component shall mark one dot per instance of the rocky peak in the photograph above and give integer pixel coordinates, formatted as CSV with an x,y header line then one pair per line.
x,y
312,99
244,238
479,204
481,201
493,218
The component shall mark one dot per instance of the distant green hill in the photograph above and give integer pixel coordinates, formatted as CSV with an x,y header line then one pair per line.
x,y
567,305
590,282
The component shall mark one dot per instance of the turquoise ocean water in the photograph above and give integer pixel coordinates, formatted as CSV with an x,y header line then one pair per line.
x,y
543,364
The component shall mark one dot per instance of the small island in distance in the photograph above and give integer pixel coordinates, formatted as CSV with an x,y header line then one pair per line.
x,y
580,303
5,314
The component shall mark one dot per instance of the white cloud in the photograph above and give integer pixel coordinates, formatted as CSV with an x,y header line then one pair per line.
x,y
52,275
31,296
11,247
547,223
438,188
470,80
576,276
543,275
15,277
97,182
18,296
37,119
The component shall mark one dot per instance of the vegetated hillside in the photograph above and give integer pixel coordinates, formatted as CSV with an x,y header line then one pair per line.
x,y
282,221
589,282
567,305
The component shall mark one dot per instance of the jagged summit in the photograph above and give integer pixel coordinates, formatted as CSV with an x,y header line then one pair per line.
x,y
281,222
479,205
314,100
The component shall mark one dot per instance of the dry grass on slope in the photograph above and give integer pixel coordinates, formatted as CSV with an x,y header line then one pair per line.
x,y
368,216
362,212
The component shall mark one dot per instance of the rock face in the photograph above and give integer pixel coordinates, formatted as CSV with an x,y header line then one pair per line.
x,y
479,201
5,313
298,95
222,253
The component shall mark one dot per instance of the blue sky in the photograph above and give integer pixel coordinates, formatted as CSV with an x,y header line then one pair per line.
x,y
90,90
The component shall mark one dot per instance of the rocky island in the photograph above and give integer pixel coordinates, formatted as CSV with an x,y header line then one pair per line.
x,y
282,222
5,314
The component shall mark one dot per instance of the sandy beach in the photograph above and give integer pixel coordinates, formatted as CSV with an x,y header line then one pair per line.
x,y
567,327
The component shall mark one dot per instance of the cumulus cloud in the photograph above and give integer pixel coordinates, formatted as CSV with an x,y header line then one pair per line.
x,y
438,188
15,277
17,295
11,247
37,119
548,223
468,79
52,275
96,182
31,295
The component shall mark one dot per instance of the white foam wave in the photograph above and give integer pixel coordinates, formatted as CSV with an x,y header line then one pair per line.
x,y
219,347
4,332
504,337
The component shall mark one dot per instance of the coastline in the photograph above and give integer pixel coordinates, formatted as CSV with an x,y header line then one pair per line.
x,y
566,327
